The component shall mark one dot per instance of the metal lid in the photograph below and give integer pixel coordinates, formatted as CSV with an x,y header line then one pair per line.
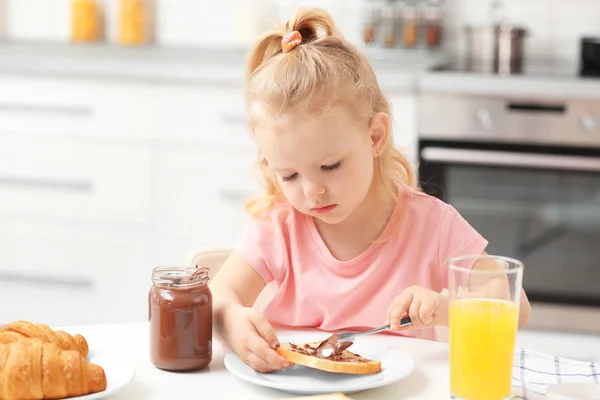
x,y
510,29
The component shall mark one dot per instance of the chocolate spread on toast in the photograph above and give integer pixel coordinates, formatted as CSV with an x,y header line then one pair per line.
x,y
309,350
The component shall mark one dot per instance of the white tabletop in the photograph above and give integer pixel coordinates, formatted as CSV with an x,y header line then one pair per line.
x,y
429,380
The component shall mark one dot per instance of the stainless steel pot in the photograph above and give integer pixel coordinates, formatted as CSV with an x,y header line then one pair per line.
x,y
498,49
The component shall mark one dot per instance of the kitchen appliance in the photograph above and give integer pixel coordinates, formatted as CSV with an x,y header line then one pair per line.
x,y
590,56
525,173
498,48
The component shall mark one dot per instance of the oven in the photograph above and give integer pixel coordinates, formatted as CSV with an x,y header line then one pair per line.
x,y
525,173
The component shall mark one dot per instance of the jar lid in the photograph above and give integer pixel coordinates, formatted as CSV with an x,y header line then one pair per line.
x,y
433,14
573,391
409,13
180,277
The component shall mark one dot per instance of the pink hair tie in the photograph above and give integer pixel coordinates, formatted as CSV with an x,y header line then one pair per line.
x,y
291,40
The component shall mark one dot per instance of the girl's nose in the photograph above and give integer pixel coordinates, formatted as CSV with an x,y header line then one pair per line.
x,y
313,190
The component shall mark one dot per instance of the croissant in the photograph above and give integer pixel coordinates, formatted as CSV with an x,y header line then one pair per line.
x,y
33,370
18,330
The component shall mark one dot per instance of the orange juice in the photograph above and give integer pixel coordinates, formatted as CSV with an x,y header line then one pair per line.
x,y
482,339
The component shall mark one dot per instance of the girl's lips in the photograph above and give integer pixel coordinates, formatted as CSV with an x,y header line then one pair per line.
x,y
324,209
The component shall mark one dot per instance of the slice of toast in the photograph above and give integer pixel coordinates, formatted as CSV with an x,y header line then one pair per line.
x,y
343,363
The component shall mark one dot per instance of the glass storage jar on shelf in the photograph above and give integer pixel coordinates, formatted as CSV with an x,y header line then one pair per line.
x,y
390,23
86,21
134,22
433,24
410,26
372,22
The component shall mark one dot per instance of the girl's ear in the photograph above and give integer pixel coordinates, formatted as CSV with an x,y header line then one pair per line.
x,y
379,132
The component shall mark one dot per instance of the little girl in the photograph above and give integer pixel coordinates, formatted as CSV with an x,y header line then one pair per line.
x,y
342,233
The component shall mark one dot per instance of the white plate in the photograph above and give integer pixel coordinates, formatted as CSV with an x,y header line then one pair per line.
x,y
395,365
119,372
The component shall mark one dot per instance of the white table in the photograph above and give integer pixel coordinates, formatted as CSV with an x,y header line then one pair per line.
x,y
429,380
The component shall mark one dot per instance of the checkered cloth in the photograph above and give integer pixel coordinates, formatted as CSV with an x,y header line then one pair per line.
x,y
533,371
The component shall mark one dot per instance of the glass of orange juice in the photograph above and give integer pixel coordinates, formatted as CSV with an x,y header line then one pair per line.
x,y
485,293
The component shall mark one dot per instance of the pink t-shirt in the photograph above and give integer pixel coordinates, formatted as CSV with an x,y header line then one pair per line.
x,y
314,289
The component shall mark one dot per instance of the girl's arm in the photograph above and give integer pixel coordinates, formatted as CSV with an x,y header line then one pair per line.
x,y
236,283
524,310
499,287
235,289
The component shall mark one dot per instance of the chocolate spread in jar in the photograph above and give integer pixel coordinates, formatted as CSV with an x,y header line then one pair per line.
x,y
180,319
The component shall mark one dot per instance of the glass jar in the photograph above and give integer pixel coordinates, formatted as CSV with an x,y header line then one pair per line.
x,y
390,24
433,26
85,21
372,20
134,18
410,27
180,318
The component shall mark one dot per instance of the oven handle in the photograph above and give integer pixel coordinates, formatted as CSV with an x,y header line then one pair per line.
x,y
510,159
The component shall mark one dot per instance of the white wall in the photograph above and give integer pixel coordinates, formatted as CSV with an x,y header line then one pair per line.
x,y
181,22
555,25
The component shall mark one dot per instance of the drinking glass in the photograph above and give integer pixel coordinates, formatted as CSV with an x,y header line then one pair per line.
x,y
485,293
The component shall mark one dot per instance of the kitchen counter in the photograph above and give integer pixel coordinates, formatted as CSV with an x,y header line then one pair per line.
x,y
401,70
219,66
563,84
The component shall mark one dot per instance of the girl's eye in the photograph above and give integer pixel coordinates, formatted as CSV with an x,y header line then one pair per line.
x,y
331,167
289,177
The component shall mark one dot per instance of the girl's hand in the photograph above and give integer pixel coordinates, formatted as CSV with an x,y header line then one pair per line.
x,y
425,308
252,338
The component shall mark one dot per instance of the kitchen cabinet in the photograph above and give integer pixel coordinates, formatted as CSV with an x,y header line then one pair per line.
x,y
201,113
75,219
76,208
73,275
82,108
74,181
200,195
203,170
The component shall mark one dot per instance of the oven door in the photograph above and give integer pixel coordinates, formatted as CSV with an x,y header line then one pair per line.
x,y
538,204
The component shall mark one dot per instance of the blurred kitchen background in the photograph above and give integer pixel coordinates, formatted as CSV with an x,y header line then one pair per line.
x,y
123,142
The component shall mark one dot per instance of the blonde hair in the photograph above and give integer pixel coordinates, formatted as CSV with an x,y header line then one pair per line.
x,y
324,70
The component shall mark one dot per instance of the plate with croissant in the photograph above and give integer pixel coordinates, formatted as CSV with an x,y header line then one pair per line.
x,y
38,363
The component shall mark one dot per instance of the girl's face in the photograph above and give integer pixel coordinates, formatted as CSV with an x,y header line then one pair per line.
x,y
324,166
